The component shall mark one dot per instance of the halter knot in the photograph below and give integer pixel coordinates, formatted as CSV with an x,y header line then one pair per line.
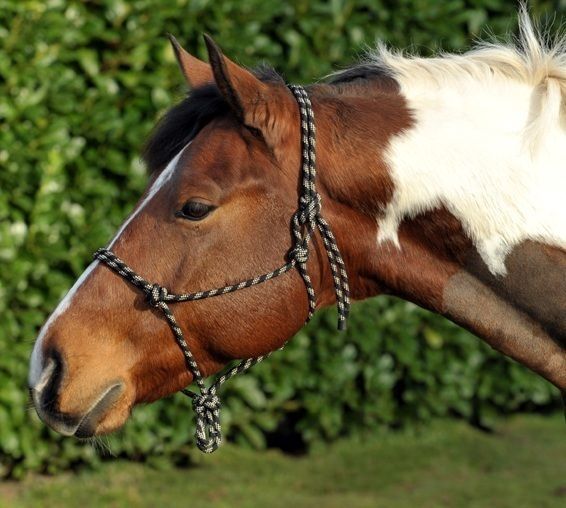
x,y
300,253
156,295
208,430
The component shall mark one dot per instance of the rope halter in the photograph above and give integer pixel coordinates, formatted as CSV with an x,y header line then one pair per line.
x,y
304,222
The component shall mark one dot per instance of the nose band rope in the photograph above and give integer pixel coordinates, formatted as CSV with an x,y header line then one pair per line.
x,y
305,222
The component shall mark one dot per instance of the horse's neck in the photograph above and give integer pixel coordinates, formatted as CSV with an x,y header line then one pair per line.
x,y
433,200
478,150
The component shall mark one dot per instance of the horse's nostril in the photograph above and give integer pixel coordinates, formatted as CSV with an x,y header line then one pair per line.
x,y
45,395
45,391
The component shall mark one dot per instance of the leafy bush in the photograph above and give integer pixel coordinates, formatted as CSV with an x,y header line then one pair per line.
x,y
81,84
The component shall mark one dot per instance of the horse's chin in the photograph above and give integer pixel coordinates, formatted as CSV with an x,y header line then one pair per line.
x,y
103,414
109,415
111,423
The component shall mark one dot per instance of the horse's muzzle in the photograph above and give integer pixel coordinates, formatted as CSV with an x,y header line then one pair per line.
x,y
45,399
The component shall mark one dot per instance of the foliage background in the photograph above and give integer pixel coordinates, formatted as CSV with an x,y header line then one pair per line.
x,y
81,85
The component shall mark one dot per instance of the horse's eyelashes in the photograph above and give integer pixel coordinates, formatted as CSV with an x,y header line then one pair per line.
x,y
195,210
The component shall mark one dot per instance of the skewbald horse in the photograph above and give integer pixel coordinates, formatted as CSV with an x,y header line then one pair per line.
x,y
443,178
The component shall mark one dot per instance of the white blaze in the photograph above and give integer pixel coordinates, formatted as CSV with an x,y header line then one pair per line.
x,y
36,362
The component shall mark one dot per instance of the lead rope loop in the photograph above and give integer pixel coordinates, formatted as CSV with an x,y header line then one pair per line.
x,y
208,433
304,223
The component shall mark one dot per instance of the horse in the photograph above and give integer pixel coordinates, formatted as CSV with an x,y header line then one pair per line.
x,y
442,179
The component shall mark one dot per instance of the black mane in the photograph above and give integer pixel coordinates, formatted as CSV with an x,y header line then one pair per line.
x,y
363,71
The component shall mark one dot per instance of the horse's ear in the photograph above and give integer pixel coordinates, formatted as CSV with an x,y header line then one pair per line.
x,y
196,72
246,94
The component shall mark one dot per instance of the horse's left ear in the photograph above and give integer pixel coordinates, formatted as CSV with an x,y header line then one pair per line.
x,y
196,72
249,97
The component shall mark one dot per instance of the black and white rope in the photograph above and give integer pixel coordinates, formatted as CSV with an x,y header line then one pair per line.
x,y
309,215
306,220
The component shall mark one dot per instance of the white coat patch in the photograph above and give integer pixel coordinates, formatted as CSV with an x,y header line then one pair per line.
x,y
488,143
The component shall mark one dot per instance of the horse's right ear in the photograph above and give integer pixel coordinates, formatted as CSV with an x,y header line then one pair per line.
x,y
197,73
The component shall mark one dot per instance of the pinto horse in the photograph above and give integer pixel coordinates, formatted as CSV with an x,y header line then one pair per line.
x,y
443,179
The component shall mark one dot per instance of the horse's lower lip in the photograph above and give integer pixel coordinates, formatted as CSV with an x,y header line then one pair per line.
x,y
87,425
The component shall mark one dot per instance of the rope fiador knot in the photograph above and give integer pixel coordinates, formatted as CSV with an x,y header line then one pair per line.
x,y
208,434
156,295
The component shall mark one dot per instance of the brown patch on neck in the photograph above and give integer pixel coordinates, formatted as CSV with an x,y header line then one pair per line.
x,y
355,125
431,247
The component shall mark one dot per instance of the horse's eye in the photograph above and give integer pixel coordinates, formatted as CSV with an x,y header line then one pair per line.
x,y
194,210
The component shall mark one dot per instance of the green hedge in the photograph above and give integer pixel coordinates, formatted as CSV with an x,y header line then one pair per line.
x,y
81,84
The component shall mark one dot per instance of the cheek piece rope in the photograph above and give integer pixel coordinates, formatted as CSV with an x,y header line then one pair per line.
x,y
305,222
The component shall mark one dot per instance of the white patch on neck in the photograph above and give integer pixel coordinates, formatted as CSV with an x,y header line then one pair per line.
x,y
36,361
466,152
